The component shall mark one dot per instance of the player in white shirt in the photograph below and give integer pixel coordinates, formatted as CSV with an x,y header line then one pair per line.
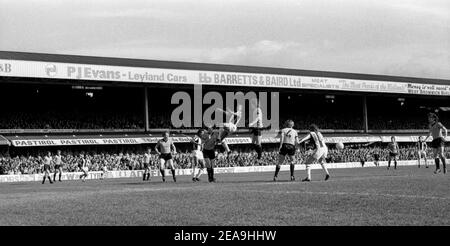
x,y
147,167
47,161
288,141
319,153
84,166
422,151
57,159
104,169
197,155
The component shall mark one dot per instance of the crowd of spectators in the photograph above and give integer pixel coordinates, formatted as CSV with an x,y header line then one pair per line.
x,y
130,120
32,164
71,120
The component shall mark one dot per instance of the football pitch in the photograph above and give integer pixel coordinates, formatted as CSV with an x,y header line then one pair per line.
x,y
356,196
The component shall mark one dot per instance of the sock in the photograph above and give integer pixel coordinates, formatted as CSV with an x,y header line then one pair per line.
x,y
162,173
60,175
212,173
148,176
437,163
143,176
277,170
193,173
292,169
209,173
54,176
443,163
308,172
325,169
199,173
389,163
173,173
395,164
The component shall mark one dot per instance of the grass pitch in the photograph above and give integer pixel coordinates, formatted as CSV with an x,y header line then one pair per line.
x,y
357,196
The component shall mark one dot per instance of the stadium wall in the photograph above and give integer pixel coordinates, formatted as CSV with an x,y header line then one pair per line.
x,y
182,172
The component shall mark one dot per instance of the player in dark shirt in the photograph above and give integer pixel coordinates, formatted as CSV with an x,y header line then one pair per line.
x,y
165,148
393,152
376,158
210,138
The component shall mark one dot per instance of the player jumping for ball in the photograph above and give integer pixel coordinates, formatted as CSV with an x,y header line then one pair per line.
x,y
319,154
230,126
422,151
165,148
439,133
288,140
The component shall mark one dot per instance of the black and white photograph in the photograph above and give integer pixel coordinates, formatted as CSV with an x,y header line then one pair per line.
x,y
224,113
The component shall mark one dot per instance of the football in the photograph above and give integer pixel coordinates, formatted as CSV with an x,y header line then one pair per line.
x,y
340,145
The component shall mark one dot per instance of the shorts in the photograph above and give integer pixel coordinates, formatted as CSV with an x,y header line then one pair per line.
x,y
57,167
256,131
320,153
166,157
437,143
287,149
85,169
197,154
146,165
209,154
422,153
392,154
46,167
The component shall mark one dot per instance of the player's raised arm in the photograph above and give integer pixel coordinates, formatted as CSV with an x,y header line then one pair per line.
x,y
223,111
305,138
